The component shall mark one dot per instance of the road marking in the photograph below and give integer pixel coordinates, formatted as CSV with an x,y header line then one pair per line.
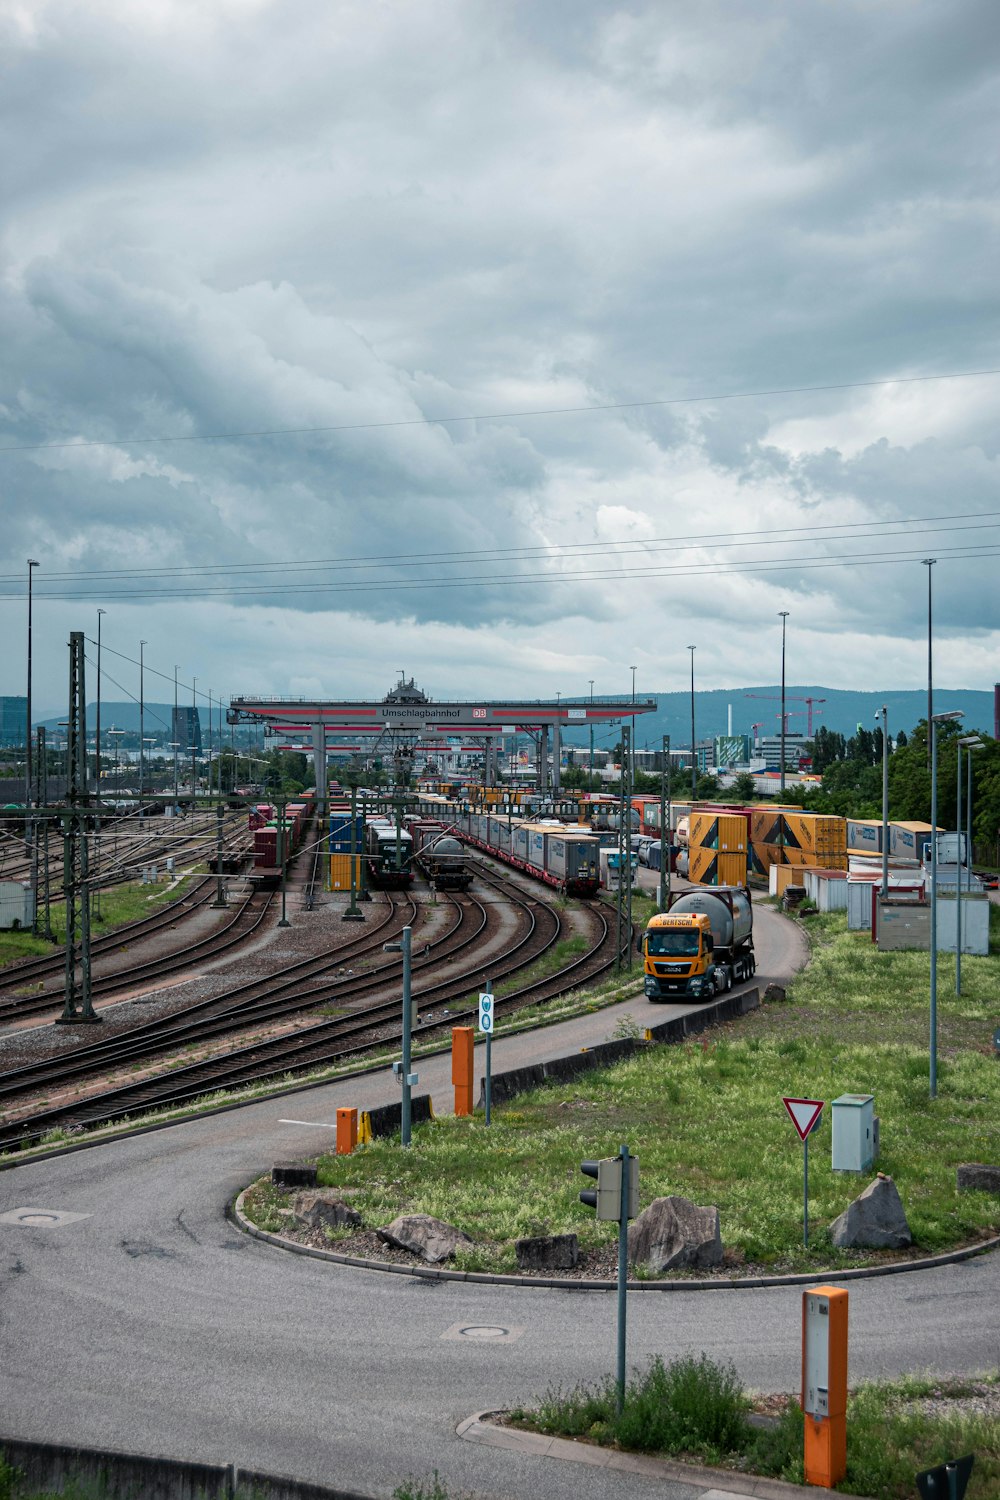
x,y
482,1333
316,1124
41,1218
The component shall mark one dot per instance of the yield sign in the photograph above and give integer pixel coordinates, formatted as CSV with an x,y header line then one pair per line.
x,y
804,1113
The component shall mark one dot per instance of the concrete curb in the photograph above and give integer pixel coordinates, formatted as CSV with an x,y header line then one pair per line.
x,y
234,1211
721,1482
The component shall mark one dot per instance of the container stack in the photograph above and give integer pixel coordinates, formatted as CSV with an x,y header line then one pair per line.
x,y
796,839
717,848
340,850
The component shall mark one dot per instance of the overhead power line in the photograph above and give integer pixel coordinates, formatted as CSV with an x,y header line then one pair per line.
x,y
498,416
508,580
848,530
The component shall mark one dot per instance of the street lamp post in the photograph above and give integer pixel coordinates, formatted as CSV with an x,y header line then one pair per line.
x,y
665,846
142,725
694,758
784,616
32,564
969,742
97,734
884,715
936,719
175,742
591,788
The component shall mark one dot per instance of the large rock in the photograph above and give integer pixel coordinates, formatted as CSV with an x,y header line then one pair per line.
x,y
674,1232
547,1252
324,1211
874,1221
976,1177
429,1238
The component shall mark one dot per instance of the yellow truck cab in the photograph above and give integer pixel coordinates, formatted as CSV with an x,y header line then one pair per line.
x,y
680,950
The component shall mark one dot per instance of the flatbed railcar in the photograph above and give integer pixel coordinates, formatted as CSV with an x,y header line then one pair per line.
x,y
563,856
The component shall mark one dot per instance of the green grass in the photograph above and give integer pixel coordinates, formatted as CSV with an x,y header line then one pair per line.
x,y
707,1122
697,1409
120,904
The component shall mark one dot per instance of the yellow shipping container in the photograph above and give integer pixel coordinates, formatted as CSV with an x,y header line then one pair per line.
x,y
715,867
724,831
340,872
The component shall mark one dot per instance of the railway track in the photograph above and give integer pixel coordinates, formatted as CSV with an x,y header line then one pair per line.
x,y
372,1021
123,855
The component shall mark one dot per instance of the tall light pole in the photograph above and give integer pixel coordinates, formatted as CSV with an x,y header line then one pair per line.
x,y
928,563
32,564
969,742
665,841
936,719
97,734
694,757
175,741
142,723
591,736
884,715
784,617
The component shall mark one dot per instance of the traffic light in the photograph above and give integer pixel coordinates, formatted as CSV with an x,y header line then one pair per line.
x,y
607,1199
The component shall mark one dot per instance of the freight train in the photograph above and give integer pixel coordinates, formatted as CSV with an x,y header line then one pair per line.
x,y
277,841
564,856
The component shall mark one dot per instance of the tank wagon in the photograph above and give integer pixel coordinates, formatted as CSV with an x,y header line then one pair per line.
x,y
389,852
444,861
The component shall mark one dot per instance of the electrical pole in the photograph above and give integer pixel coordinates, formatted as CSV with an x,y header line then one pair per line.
x,y
77,1006
694,756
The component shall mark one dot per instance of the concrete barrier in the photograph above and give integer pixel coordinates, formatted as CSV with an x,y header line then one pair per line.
x,y
136,1476
505,1086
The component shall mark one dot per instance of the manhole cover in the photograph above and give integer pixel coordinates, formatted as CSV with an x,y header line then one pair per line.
x,y
41,1218
483,1333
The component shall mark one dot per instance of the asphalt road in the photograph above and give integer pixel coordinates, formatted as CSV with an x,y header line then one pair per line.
x,y
152,1325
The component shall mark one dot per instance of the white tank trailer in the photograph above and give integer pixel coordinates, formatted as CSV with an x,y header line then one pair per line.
x,y
730,911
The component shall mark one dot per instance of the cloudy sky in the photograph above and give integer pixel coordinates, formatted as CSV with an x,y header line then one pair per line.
x,y
474,339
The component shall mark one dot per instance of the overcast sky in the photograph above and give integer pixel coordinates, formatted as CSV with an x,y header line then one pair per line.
x,y
248,216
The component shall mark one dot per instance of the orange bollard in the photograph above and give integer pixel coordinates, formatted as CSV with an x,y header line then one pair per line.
x,y
462,1045
824,1385
347,1131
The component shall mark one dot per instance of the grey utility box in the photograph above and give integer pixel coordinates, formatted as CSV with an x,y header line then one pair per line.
x,y
853,1132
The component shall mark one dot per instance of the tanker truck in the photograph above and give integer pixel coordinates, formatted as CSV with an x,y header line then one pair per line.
x,y
700,946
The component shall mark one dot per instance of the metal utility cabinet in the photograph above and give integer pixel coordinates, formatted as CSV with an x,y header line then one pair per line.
x,y
854,1147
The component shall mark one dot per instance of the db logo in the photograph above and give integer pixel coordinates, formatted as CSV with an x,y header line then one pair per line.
x,y
479,713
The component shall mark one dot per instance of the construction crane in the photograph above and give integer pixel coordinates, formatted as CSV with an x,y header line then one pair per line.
x,y
792,698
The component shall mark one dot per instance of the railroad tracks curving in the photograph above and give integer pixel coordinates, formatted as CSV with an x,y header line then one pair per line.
x,y
371,1020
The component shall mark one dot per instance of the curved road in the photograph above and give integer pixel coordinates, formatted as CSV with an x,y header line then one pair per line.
x,y
151,1325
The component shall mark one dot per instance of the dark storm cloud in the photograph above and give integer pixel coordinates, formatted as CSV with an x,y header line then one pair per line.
x,y
259,216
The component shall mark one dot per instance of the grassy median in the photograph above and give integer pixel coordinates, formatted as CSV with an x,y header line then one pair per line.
x,y
707,1122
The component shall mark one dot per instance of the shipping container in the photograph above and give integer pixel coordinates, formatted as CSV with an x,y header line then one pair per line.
x,y
864,835
708,866
573,857
340,872
909,839
723,831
